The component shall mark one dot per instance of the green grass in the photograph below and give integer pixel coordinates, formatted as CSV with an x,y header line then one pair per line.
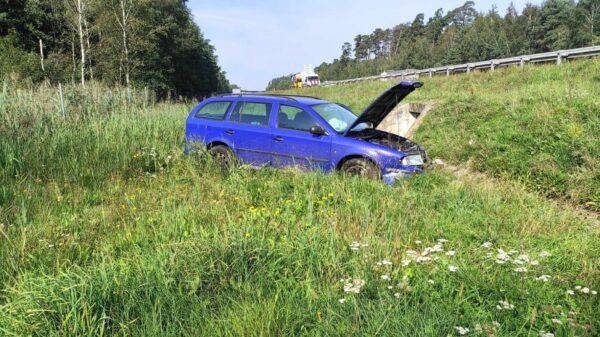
x,y
539,125
106,229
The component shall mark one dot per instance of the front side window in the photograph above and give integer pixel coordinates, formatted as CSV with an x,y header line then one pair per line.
x,y
338,117
293,118
213,110
251,113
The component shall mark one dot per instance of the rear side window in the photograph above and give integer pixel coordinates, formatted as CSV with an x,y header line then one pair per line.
x,y
251,113
213,110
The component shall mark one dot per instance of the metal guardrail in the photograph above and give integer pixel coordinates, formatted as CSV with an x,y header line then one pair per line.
x,y
555,56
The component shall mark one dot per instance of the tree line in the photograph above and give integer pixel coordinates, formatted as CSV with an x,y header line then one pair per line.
x,y
141,43
464,35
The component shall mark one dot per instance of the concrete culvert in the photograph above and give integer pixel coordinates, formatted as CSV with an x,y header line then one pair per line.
x,y
405,119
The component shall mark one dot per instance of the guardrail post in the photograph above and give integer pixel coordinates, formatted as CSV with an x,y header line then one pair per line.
x,y
430,73
492,66
559,58
447,71
522,62
468,68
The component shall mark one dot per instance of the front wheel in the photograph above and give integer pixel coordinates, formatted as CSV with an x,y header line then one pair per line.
x,y
360,167
223,156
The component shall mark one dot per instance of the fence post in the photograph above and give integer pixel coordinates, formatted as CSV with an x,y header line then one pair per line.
x,y
62,100
145,97
3,97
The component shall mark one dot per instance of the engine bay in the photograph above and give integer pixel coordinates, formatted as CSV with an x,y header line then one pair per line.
x,y
389,140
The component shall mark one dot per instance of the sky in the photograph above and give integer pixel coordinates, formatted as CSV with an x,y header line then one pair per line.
x,y
257,41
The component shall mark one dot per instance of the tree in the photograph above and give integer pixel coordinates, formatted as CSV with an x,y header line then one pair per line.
x,y
588,13
346,53
435,26
462,16
76,16
123,18
417,26
360,47
551,30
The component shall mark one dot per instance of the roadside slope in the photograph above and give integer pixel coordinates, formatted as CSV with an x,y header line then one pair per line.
x,y
539,125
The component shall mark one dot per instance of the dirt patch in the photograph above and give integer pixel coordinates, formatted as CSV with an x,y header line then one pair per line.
x,y
466,173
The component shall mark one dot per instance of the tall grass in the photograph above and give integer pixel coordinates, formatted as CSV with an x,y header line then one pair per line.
x,y
539,125
106,229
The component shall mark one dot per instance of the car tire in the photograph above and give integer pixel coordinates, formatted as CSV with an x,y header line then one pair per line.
x,y
360,167
223,156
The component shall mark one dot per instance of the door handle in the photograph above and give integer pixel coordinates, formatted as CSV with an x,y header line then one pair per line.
x,y
278,139
230,132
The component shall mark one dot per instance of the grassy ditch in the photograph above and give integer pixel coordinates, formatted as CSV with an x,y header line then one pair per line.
x,y
106,229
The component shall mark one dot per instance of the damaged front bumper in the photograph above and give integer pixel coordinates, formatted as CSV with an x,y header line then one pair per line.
x,y
391,175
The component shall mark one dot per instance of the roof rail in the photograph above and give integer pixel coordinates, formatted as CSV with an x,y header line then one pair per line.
x,y
258,93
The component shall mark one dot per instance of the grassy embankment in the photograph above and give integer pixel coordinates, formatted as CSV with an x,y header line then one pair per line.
x,y
537,125
105,229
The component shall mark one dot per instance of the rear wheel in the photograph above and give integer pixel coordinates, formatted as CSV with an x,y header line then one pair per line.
x,y
360,167
223,156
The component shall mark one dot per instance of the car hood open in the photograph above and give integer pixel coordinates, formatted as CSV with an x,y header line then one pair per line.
x,y
384,104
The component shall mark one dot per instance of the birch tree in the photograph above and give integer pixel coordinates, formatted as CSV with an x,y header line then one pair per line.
x,y
76,19
123,20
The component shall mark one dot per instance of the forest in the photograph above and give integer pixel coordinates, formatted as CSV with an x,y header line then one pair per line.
x,y
464,35
129,43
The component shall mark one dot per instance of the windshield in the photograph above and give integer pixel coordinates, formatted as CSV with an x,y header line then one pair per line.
x,y
339,118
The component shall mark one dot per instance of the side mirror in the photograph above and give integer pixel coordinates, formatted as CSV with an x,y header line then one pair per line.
x,y
317,130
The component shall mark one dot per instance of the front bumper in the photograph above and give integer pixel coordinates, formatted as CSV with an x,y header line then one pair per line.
x,y
391,175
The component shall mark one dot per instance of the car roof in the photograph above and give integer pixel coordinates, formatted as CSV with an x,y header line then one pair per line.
x,y
282,98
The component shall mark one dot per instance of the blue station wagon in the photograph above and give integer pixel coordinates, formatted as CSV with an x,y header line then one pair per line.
x,y
281,130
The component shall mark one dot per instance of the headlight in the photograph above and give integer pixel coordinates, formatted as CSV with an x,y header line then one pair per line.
x,y
412,160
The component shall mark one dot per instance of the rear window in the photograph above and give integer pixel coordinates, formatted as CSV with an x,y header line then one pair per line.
x,y
251,113
213,110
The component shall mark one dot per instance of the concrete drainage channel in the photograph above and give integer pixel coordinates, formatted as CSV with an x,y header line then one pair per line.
x,y
405,119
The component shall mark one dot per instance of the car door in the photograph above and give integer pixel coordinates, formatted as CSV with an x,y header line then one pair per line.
x,y
248,130
206,121
292,143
